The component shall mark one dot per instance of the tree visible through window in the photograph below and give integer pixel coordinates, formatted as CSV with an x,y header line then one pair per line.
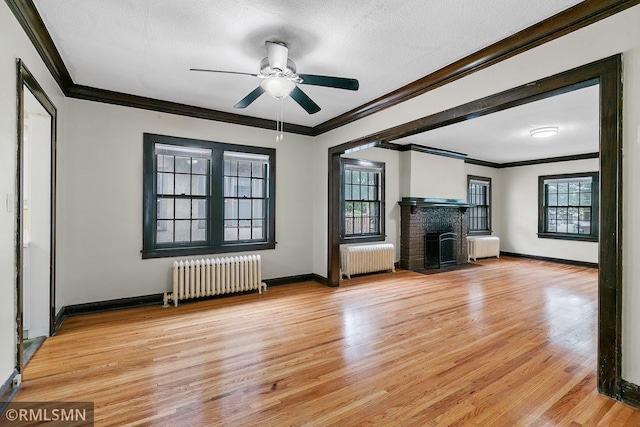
x,y
205,197
569,206
479,195
362,200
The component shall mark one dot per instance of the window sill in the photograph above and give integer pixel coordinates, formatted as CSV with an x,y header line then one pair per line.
x,y
575,237
362,239
205,250
479,233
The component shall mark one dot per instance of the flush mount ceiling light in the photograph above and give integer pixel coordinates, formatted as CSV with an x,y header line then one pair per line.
x,y
544,132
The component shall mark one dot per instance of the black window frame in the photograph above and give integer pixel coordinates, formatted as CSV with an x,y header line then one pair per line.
x,y
215,242
544,233
471,210
378,167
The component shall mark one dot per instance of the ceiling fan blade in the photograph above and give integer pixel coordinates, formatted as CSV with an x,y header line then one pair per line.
x,y
336,82
223,72
278,54
247,100
303,99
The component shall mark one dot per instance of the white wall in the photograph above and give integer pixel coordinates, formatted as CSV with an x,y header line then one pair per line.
x,y
13,44
514,214
631,210
391,159
102,206
432,176
619,33
40,226
519,207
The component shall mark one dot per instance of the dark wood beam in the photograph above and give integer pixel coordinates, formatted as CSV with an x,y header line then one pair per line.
x,y
565,22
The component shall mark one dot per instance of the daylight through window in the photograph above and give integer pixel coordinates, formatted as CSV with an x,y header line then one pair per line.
x,y
569,206
479,196
362,197
205,197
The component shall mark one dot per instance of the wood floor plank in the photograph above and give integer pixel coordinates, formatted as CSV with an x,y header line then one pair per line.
x,y
511,342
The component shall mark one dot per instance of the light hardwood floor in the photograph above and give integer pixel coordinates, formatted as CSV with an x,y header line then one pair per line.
x,y
508,343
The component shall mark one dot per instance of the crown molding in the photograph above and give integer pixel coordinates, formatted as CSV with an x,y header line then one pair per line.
x,y
422,149
550,160
126,100
134,101
453,154
31,22
482,163
574,18
532,162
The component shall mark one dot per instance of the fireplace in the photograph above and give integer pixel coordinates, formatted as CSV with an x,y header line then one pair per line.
x,y
440,250
433,233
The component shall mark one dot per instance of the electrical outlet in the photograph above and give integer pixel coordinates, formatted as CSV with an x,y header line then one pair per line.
x,y
17,380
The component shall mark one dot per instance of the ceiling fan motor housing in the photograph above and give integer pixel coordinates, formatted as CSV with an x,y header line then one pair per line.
x,y
267,71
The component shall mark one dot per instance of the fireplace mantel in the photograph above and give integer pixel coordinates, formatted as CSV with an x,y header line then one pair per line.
x,y
434,203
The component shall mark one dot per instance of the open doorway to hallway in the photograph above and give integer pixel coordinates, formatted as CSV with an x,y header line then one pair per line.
x,y
35,216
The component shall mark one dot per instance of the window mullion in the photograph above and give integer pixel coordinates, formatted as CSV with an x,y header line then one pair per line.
x,y
216,208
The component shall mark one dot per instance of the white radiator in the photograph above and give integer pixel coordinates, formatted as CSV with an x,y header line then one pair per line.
x,y
215,276
482,247
366,259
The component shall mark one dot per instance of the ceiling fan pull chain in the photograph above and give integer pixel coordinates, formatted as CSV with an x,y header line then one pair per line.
x,y
279,123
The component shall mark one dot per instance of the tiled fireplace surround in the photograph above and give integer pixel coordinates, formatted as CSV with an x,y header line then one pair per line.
x,y
420,216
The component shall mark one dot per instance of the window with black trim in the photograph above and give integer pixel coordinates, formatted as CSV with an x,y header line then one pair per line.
x,y
204,197
362,200
479,195
568,206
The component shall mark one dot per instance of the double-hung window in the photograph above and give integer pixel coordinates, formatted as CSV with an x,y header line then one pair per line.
x,y
183,179
568,206
479,196
245,196
362,200
203,197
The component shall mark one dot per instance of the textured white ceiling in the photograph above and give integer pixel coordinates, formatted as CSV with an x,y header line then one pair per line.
x,y
146,47
505,137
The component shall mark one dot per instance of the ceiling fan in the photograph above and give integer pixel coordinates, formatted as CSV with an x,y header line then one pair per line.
x,y
280,79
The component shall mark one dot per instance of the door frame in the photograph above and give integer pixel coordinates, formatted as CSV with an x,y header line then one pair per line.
x,y
608,74
26,79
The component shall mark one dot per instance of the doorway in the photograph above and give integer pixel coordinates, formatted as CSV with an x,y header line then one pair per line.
x,y
35,216
607,73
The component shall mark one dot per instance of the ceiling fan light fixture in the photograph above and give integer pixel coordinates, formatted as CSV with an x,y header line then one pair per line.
x,y
277,87
544,132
